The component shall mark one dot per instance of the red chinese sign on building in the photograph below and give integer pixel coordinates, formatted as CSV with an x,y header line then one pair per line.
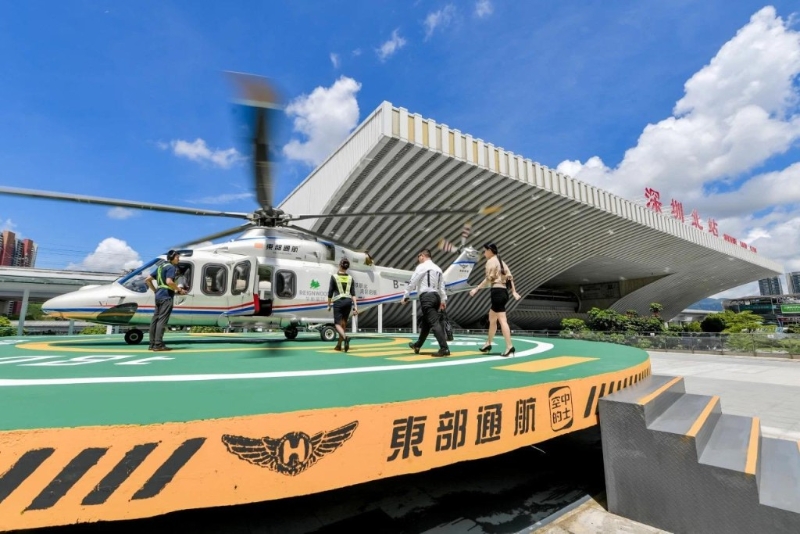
x,y
653,199
654,203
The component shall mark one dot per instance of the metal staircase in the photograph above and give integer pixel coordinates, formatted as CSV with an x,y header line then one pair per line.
x,y
675,461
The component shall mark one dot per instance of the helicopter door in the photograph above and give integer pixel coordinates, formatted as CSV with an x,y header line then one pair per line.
x,y
184,278
264,290
241,300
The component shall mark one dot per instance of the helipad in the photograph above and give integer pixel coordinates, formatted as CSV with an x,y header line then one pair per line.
x,y
94,429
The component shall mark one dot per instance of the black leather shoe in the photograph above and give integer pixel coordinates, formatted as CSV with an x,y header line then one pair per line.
x,y
414,348
485,348
509,352
346,344
442,353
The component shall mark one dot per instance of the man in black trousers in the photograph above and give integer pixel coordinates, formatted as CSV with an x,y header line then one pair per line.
x,y
428,280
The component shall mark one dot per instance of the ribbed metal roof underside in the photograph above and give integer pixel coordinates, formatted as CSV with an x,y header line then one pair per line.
x,y
547,239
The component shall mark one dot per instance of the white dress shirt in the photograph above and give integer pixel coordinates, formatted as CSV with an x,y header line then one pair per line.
x,y
427,277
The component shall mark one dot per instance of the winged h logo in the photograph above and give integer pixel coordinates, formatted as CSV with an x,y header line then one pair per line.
x,y
293,453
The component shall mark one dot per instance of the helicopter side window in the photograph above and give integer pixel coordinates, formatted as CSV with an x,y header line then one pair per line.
x,y
285,284
241,278
214,279
134,280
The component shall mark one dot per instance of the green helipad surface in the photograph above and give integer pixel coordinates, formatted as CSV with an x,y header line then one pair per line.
x,y
54,382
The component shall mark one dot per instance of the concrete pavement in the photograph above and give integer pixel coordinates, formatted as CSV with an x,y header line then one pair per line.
x,y
768,388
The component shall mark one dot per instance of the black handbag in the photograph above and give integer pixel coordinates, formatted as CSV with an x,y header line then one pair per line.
x,y
448,328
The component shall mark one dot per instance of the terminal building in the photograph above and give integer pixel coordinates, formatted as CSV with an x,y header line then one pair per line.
x,y
571,246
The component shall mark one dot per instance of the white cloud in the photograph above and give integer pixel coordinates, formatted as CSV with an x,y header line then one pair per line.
x,y
335,60
325,117
483,8
391,46
9,225
441,18
198,150
357,52
112,255
736,114
226,198
121,213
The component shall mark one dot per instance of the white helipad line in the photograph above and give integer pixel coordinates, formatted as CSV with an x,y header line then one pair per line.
x,y
16,382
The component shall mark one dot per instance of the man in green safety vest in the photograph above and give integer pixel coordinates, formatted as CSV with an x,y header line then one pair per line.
x,y
342,295
165,289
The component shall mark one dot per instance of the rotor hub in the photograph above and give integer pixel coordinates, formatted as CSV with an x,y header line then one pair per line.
x,y
270,217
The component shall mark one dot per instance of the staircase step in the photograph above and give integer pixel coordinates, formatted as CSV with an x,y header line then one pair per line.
x,y
655,394
779,474
733,444
687,415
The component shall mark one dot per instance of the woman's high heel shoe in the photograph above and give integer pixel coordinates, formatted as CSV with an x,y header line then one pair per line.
x,y
509,352
486,348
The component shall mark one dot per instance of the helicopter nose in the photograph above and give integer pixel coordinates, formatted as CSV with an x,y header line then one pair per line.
x,y
68,306
54,307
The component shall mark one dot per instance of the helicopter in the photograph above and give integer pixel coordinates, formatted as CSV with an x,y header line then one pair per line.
x,y
275,274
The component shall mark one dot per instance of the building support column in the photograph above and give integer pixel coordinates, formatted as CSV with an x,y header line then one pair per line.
x,y
22,312
71,328
380,318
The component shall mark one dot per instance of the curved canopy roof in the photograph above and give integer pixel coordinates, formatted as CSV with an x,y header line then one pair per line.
x,y
554,232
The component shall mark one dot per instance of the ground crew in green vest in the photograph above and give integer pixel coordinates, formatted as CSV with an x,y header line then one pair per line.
x,y
165,289
342,296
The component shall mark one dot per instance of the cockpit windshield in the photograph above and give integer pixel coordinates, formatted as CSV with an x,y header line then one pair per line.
x,y
135,279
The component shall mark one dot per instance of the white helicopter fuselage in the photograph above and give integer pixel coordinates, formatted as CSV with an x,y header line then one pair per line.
x,y
264,278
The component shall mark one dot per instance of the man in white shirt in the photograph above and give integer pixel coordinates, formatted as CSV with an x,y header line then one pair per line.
x,y
428,280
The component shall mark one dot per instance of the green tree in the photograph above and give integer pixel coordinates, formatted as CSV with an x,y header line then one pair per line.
x,y
574,325
714,322
607,321
5,327
34,312
655,308
745,321
645,324
694,326
94,329
206,329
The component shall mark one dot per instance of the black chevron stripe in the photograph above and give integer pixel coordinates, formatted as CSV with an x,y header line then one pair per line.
x,y
169,468
590,402
25,466
63,482
133,459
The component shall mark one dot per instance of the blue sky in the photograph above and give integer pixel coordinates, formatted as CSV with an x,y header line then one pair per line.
x,y
698,100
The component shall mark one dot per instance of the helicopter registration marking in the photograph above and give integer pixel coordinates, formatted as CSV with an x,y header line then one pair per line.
x,y
14,382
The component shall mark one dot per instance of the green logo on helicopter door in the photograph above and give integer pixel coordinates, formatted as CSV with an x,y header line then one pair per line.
x,y
314,284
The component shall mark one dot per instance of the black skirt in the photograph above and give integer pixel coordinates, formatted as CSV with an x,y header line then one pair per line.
x,y
499,299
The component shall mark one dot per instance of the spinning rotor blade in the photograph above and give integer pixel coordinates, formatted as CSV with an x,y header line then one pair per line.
x,y
481,211
214,236
120,203
259,97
